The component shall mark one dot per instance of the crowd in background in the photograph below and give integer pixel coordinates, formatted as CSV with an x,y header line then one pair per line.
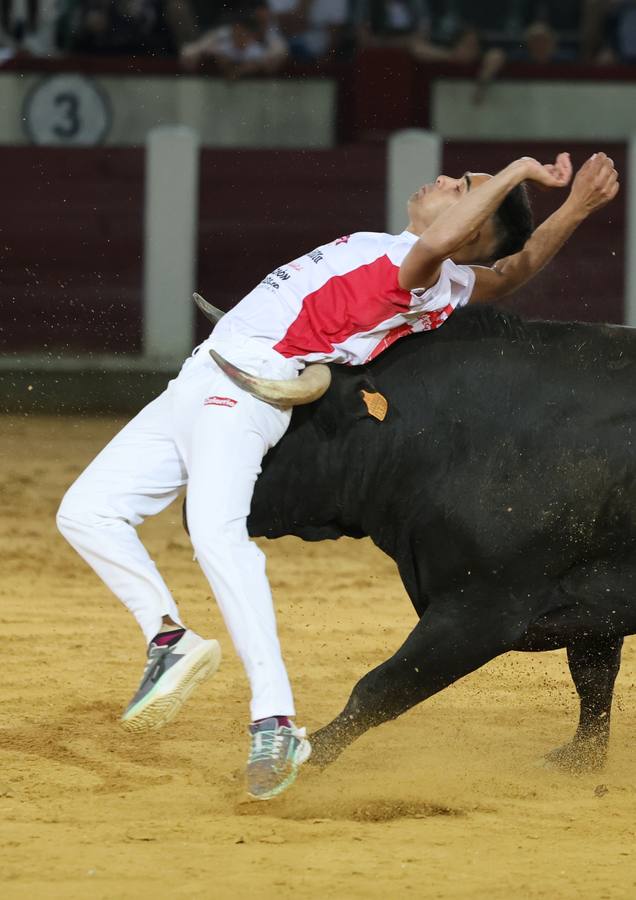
x,y
241,37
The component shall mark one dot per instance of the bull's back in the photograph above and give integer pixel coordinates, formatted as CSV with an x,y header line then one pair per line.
x,y
509,443
504,440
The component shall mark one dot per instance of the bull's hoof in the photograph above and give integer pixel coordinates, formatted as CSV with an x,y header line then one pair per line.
x,y
577,757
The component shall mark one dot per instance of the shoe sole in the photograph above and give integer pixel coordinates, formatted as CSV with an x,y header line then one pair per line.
x,y
160,707
302,755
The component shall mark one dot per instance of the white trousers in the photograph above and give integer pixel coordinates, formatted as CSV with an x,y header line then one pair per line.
x,y
206,433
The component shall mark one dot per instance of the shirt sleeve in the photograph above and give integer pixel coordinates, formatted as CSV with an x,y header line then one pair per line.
x,y
453,288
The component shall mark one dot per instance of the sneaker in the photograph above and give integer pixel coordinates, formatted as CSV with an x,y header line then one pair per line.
x,y
276,754
170,676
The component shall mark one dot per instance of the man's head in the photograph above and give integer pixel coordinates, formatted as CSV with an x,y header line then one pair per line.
x,y
505,232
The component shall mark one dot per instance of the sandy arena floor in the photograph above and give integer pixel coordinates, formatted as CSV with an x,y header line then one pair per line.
x,y
447,802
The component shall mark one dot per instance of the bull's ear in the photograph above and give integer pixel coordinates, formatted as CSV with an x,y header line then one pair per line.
x,y
376,404
344,403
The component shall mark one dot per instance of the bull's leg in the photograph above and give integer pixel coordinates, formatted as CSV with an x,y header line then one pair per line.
x,y
451,640
594,664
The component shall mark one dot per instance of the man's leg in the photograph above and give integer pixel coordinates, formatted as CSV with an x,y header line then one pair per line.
x,y
225,452
227,447
136,475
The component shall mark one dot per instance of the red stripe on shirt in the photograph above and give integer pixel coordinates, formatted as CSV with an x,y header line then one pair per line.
x,y
353,303
428,321
390,338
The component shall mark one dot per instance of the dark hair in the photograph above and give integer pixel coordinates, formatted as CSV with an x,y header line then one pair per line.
x,y
513,223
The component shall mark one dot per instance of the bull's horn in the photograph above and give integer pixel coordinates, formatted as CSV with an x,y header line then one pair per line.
x,y
211,313
311,384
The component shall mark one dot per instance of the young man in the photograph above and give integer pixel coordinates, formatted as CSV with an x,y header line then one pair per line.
x,y
344,302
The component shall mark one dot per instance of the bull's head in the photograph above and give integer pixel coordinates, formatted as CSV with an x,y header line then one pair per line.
x,y
310,385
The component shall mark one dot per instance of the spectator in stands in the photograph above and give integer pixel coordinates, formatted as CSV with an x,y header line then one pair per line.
x,y
28,26
116,27
580,26
494,20
620,32
204,15
249,44
555,31
389,22
464,48
410,24
315,29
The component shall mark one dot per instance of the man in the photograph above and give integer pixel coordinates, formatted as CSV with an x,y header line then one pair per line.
x,y
344,302
249,44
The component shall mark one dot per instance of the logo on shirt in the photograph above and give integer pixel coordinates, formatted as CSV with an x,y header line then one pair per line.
x,y
219,401
343,240
270,282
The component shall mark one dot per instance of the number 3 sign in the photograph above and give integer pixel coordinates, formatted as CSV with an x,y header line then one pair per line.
x,y
68,110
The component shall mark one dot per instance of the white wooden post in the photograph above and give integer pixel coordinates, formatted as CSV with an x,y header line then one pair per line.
x,y
414,159
630,236
170,242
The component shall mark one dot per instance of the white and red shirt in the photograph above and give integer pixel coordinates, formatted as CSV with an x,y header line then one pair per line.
x,y
343,302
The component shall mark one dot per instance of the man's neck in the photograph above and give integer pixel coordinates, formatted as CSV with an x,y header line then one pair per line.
x,y
465,256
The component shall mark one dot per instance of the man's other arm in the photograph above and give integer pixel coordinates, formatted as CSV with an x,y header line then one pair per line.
x,y
596,183
459,224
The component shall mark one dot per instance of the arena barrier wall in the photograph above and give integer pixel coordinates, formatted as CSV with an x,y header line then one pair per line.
x,y
73,245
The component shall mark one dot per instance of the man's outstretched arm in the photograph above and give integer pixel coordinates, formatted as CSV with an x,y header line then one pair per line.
x,y
461,222
596,183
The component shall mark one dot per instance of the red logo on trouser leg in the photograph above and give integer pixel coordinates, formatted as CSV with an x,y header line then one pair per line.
x,y
219,401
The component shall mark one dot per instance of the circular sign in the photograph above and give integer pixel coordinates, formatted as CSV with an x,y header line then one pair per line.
x,y
67,110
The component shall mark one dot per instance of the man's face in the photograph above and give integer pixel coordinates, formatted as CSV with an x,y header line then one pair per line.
x,y
426,204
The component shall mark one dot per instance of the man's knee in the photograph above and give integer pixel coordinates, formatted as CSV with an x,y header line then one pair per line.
x,y
217,538
78,512
72,514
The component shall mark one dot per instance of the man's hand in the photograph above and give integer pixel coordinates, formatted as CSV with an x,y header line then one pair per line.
x,y
596,183
550,175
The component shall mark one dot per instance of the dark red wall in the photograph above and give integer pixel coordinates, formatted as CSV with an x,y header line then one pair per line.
x,y
260,209
71,234
71,243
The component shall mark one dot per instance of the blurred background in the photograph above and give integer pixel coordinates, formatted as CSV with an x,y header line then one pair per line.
x,y
152,147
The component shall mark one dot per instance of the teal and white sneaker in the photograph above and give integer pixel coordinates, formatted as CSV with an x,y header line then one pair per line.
x,y
172,672
276,754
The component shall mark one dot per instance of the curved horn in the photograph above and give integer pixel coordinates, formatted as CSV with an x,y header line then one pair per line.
x,y
211,313
311,384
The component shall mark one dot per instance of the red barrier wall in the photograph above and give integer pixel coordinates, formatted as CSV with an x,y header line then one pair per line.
x,y
71,239
260,209
72,234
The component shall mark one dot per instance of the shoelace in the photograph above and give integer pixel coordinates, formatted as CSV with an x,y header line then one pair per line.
x,y
268,745
155,658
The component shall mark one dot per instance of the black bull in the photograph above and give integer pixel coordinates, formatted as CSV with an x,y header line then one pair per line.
x,y
502,483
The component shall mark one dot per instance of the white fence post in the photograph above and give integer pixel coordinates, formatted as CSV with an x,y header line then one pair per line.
x,y
630,236
170,242
414,159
